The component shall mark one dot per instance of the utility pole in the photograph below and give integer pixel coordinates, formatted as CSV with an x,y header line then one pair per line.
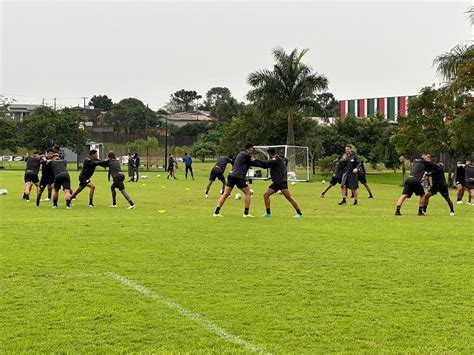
x,y
43,102
54,104
84,98
146,136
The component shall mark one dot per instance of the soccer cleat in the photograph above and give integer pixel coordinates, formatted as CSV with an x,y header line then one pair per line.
x,y
397,213
131,207
371,196
248,216
459,202
113,206
266,215
342,203
27,200
46,199
217,215
451,214
421,213
321,196
469,204
91,205
206,195
55,206
73,199
298,215
355,203
68,207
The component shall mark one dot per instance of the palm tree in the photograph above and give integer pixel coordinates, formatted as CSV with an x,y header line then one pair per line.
x,y
291,86
457,67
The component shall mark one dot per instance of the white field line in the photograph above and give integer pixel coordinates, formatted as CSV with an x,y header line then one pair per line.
x,y
212,327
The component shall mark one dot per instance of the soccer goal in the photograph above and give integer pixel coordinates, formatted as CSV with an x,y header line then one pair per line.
x,y
297,162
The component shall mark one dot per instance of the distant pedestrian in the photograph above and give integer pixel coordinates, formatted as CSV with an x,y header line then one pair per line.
x,y
136,164
188,163
131,167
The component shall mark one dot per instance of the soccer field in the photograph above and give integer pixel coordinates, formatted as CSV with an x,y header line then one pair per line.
x,y
341,279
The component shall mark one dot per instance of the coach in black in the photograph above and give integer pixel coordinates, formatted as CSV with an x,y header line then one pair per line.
x,y
350,176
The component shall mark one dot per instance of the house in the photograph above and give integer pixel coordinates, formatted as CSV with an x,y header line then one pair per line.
x,y
182,118
20,111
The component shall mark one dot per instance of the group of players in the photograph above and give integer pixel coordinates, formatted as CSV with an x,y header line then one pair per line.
x,y
349,171
54,176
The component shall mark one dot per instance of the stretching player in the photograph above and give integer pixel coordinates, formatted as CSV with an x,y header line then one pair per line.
x,y
440,185
217,172
242,163
413,183
61,179
88,169
337,176
363,179
461,182
47,177
31,175
278,175
118,178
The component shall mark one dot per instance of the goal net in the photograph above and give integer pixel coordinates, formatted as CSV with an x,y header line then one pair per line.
x,y
297,162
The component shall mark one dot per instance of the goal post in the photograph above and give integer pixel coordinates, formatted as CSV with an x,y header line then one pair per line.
x,y
298,168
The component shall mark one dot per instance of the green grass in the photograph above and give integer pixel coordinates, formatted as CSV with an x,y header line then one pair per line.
x,y
342,279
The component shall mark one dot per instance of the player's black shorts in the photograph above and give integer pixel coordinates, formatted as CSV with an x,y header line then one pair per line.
x,y
413,186
461,181
118,182
216,173
83,181
350,180
236,181
335,180
276,186
46,180
362,178
31,177
470,184
442,189
62,180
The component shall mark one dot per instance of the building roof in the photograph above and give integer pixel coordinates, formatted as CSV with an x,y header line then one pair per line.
x,y
22,107
190,116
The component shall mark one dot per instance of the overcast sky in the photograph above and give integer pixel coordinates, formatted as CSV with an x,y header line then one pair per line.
x,y
150,49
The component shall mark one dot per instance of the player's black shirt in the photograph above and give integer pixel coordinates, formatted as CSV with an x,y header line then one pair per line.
x,y
170,163
46,170
114,167
33,164
437,176
88,168
361,168
277,168
460,174
242,163
420,166
351,162
59,166
469,171
222,163
339,169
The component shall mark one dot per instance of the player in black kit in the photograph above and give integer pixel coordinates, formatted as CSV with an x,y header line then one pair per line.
x,y
242,163
47,177
217,172
337,176
350,178
88,169
278,175
469,170
440,185
31,175
118,178
413,184
61,179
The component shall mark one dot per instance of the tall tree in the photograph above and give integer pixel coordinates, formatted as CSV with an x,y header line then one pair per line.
x,y
46,127
101,102
9,133
185,98
132,115
217,94
291,86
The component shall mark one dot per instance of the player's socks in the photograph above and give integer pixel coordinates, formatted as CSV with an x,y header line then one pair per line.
x,y
246,211
131,203
371,196
355,202
68,203
26,197
55,203
397,212
343,202
299,212
420,211
268,211
425,208
38,201
218,209
90,202
49,195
